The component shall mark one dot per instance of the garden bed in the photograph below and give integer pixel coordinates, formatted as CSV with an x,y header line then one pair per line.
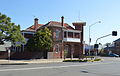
x,y
81,60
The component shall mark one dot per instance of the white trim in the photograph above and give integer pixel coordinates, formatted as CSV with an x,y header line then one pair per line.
x,y
71,39
28,32
67,34
75,31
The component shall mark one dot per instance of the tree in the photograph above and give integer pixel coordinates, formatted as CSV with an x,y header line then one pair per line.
x,y
9,31
107,44
41,41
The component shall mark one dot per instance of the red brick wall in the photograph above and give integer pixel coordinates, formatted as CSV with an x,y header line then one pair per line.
x,y
57,41
56,55
76,47
22,55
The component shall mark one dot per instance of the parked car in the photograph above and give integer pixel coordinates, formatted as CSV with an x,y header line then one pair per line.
x,y
113,55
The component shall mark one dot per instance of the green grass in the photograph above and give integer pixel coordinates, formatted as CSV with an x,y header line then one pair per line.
x,y
97,59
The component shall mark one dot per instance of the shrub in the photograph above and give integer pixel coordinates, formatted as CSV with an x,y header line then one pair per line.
x,y
75,60
81,60
97,59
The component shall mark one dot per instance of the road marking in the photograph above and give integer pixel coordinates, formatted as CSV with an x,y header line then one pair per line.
x,y
51,67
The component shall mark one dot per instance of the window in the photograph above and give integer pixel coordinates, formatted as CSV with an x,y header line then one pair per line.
x,y
56,34
65,34
70,34
117,44
77,35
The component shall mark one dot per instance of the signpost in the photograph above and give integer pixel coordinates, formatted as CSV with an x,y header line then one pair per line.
x,y
8,51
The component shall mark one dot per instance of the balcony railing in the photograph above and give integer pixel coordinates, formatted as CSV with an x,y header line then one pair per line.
x,y
72,36
71,39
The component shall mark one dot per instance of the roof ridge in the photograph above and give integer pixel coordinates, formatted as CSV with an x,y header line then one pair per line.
x,y
33,26
58,22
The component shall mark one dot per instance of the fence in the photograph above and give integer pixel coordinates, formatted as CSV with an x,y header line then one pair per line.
x,y
21,55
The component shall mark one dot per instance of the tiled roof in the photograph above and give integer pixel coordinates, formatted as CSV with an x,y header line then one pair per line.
x,y
118,40
33,27
68,26
51,23
58,24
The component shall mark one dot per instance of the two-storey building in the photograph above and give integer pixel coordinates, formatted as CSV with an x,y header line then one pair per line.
x,y
64,36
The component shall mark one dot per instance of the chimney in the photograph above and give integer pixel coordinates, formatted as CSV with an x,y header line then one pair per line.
x,y
36,23
62,24
62,21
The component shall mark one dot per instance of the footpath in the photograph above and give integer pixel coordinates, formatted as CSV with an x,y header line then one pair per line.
x,y
7,62
4,62
110,58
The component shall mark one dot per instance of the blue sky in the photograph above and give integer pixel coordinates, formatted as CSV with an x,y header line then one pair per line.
x,y
90,11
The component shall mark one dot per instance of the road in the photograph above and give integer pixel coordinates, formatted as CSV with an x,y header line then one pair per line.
x,y
104,68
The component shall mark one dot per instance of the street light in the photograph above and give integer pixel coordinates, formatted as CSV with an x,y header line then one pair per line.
x,y
89,33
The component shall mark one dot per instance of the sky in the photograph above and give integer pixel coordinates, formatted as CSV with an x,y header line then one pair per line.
x,y
23,12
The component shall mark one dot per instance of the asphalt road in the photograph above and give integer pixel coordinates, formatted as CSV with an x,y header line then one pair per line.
x,y
105,68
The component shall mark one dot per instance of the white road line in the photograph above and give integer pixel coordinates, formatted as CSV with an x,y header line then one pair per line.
x,y
35,68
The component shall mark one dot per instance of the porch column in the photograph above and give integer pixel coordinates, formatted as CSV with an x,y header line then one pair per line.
x,y
73,34
72,51
80,36
66,34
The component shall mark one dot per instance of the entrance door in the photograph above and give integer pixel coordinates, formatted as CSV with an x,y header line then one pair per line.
x,y
67,51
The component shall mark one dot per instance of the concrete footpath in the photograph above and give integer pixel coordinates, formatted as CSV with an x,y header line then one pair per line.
x,y
2,61
5,62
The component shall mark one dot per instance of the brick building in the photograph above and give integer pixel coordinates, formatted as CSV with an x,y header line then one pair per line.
x,y
64,37
114,47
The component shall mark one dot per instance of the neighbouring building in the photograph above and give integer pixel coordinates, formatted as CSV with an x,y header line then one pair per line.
x,y
64,37
87,48
5,46
113,48
117,46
